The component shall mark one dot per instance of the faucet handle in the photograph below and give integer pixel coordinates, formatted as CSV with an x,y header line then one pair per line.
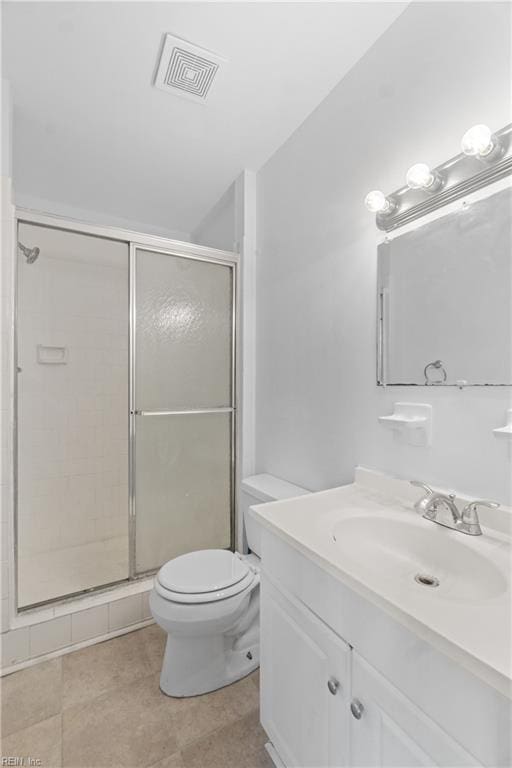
x,y
421,505
469,515
472,507
419,484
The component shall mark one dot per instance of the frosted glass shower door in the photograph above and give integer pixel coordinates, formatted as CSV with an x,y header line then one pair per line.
x,y
182,402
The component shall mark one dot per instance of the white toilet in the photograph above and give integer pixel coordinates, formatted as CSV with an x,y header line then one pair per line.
x,y
208,603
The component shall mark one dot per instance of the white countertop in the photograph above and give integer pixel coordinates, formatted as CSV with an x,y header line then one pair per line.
x,y
473,627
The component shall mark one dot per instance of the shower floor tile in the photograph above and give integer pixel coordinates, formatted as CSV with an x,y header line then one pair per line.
x,y
111,713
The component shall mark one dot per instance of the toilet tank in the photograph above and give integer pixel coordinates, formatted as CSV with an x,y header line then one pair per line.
x,y
259,489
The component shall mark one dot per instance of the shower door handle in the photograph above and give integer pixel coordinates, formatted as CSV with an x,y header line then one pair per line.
x,y
185,412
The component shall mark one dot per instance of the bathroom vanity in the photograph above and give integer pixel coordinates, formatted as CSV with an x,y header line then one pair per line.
x,y
362,663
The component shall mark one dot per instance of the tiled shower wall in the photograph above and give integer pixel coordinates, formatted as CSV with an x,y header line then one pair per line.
x,y
73,415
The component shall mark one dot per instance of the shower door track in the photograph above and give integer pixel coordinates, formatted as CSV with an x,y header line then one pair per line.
x,y
157,244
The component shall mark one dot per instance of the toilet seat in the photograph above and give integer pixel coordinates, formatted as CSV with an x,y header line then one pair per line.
x,y
204,576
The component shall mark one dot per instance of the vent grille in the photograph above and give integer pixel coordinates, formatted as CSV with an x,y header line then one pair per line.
x,y
192,74
186,70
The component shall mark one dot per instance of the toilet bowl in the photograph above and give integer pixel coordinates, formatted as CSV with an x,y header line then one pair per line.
x,y
208,604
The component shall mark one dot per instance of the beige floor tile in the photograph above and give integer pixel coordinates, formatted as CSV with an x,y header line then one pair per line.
x,y
173,761
201,715
40,742
115,714
129,726
255,677
154,640
31,695
238,745
102,667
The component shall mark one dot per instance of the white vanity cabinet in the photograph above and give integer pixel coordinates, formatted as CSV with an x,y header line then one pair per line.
x,y
429,669
388,730
305,684
324,706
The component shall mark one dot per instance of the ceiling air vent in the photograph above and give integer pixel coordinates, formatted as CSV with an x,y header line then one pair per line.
x,y
187,70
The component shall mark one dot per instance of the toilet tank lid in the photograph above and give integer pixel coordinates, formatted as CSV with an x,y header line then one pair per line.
x,y
269,488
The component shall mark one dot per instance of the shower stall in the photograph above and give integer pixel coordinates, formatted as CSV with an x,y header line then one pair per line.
x,y
125,405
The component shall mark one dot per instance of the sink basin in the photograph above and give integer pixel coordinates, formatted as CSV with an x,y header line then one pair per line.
x,y
419,555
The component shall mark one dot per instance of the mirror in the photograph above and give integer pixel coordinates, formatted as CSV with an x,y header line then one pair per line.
x,y
444,299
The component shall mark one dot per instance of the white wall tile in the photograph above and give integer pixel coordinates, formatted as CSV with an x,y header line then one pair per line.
x,y
146,611
4,614
15,646
4,543
38,617
5,500
4,580
125,612
50,635
89,623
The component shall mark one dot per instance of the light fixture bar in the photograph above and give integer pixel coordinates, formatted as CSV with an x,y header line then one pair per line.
x,y
457,177
487,176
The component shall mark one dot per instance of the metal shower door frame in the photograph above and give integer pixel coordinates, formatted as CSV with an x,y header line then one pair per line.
x,y
134,240
134,412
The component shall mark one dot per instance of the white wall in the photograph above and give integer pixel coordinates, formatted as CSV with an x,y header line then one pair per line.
x,y
6,137
217,228
440,68
231,225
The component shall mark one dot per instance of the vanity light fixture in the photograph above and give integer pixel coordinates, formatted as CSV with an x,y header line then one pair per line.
x,y
451,180
419,176
377,202
480,142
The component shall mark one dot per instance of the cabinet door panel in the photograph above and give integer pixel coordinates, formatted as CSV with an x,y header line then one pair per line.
x,y
393,732
306,723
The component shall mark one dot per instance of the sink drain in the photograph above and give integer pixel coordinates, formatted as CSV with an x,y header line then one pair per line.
x,y
426,581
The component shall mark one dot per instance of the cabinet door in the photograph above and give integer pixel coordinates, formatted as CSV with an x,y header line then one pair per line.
x,y
392,731
304,717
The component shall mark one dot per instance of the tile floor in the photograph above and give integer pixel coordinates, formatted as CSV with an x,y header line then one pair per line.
x,y
102,706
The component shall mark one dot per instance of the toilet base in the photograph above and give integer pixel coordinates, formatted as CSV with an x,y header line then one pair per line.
x,y
196,665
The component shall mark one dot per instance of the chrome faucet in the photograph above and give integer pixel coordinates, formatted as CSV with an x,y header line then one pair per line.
x,y
465,521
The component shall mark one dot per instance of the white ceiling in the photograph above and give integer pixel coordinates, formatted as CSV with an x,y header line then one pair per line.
x,y
92,131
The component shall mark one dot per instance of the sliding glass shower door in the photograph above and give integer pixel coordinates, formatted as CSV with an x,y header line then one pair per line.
x,y
124,433
182,405
71,438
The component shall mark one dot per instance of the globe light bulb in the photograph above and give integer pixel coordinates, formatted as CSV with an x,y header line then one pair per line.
x,y
377,202
419,176
478,141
